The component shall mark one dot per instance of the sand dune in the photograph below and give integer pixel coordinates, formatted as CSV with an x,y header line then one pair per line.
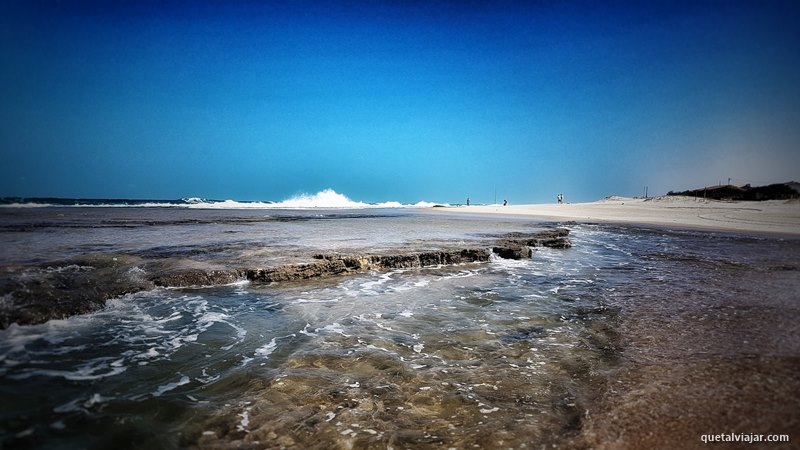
x,y
774,216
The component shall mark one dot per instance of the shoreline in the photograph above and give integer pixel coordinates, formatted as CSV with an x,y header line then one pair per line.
x,y
771,217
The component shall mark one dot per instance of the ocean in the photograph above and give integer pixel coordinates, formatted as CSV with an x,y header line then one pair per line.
x,y
553,350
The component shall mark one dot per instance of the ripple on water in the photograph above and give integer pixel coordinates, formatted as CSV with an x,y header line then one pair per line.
x,y
458,359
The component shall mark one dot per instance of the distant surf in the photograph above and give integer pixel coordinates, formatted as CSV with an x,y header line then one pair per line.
x,y
327,198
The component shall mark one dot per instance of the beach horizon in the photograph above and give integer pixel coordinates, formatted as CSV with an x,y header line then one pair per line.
x,y
774,217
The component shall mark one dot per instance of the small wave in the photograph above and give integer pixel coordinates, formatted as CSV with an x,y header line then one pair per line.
x,y
193,200
79,404
229,204
81,374
26,205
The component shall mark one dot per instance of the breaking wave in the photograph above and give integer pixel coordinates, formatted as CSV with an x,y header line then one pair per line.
x,y
327,198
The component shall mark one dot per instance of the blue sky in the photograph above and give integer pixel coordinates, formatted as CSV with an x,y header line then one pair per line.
x,y
397,100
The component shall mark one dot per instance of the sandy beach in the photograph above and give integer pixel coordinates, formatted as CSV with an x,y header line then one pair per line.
x,y
774,216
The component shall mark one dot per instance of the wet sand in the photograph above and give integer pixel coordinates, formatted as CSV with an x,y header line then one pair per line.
x,y
723,359
774,216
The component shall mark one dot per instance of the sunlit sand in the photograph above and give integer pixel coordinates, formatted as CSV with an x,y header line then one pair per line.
x,y
773,216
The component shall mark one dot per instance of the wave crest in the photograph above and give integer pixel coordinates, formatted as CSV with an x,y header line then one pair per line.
x,y
327,198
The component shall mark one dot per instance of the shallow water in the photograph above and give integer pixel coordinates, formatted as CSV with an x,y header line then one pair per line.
x,y
501,354
255,236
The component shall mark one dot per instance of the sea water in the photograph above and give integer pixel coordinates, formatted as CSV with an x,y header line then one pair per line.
x,y
508,353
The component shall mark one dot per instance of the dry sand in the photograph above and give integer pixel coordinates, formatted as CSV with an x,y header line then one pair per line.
x,y
773,216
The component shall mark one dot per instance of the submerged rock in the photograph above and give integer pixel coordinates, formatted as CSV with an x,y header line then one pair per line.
x,y
512,251
30,295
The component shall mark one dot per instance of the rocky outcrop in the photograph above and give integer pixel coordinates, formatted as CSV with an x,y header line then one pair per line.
x,y
514,246
336,264
519,245
294,272
30,295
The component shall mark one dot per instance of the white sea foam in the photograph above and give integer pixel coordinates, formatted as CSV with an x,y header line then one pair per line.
x,y
369,286
170,386
82,374
79,404
228,204
333,328
323,199
26,205
245,422
303,300
267,349
327,198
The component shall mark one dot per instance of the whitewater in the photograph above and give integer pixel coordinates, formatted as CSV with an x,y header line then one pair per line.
x,y
325,199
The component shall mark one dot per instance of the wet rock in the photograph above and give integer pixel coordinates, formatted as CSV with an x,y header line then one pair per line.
x,y
511,251
434,258
520,245
523,334
35,294
321,268
336,264
407,260
552,238
199,277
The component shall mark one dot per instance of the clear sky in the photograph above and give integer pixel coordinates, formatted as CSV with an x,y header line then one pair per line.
x,y
397,100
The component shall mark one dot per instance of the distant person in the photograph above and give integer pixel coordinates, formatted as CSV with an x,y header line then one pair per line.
x,y
467,201
505,202
560,198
